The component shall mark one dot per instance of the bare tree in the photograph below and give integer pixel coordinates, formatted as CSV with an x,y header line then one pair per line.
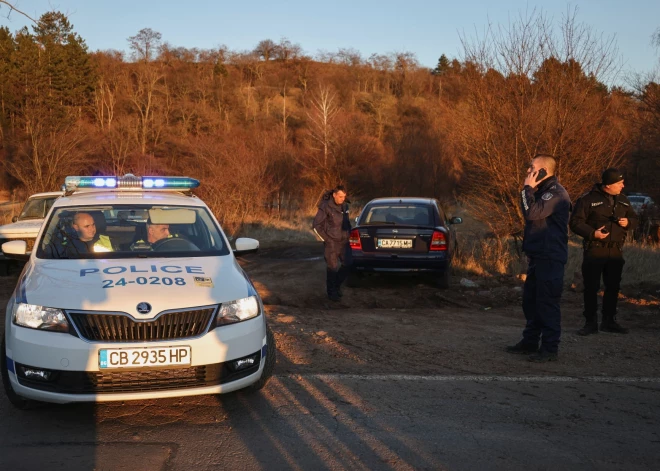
x,y
266,49
145,44
531,90
12,7
324,109
47,156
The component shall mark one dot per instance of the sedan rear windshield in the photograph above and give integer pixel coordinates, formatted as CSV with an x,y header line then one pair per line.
x,y
402,214
637,199
130,231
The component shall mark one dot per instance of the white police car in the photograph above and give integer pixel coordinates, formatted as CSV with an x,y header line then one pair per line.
x,y
131,292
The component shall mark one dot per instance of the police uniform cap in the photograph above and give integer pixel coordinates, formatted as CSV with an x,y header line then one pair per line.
x,y
611,176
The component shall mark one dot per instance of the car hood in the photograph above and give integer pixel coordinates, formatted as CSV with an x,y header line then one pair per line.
x,y
27,228
120,285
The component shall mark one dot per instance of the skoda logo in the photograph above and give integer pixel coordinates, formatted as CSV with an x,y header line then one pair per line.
x,y
144,308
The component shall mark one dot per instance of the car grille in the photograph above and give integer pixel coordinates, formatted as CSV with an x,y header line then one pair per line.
x,y
83,382
123,328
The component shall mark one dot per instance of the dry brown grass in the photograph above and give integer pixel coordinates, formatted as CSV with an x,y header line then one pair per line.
x,y
9,210
642,263
274,231
482,256
487,257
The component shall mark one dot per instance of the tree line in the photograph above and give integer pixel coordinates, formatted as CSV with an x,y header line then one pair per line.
x,y
267,130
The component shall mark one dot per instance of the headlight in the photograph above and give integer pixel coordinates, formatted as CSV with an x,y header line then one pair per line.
x,y
40,317
239,310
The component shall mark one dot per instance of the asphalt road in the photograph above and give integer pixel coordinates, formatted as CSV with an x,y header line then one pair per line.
x,y
354,422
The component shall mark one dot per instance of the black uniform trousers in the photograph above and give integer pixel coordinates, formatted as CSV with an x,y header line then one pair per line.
x,y
605,262
338,257
541,299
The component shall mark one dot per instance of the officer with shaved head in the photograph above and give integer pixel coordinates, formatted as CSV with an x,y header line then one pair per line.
x,y
546,207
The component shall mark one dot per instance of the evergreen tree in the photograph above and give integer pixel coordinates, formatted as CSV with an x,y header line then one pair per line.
x,y
442,67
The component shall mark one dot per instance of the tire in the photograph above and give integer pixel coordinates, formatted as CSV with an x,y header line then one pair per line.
x,y
17,401
269,367
442,281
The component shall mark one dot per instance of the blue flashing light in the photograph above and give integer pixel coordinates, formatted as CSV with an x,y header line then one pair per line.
x,y
130,182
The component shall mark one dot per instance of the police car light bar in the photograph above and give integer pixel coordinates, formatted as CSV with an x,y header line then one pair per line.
x,y
129,181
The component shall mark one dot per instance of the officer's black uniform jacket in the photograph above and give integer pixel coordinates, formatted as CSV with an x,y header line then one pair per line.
x,y
596,209
546,210
331,223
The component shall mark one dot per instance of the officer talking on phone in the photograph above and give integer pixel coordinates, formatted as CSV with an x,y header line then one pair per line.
x,y
546,207
603,217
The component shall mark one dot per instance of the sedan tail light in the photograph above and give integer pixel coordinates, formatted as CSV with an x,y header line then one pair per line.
x,y
354,240
438,241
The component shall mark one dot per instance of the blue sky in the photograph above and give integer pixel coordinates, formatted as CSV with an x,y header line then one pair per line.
x,y
427,28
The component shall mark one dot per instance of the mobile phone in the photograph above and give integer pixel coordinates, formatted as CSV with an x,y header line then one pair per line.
x,y
604,231
541,175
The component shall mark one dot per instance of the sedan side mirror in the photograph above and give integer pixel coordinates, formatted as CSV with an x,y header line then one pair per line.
x,y
14,219
356,219
456,220
245,245
16,249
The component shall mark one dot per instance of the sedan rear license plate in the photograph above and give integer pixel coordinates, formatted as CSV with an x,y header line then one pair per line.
x,y
395,243
144,357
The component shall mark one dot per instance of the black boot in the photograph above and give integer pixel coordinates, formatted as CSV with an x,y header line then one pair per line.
x,y
342,274
588,329
522,348
542,356
612,326
331,285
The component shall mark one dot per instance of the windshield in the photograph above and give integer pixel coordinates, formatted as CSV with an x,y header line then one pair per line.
x,y
404,214
131,231
36,208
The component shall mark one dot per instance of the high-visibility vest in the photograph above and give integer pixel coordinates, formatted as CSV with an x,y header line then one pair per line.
x,y
103,244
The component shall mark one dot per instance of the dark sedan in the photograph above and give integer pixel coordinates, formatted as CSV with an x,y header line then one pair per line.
x,y
403,235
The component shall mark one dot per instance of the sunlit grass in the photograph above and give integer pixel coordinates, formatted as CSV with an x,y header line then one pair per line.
x,y
487,257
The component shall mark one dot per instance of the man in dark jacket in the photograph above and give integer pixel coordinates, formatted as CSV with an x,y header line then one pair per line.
x,y
603,217
546,207
332,226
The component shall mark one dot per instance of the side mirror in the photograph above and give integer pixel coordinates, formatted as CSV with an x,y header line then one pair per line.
x,y
245,245
14,219
16,249
356,219
456,220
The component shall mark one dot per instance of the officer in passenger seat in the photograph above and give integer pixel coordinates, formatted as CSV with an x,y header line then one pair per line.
x,y
83,238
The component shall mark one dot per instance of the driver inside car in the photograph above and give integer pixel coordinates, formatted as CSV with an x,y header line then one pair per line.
x,y
155,233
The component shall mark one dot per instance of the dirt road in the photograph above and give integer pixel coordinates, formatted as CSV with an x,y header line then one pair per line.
x,y
405,325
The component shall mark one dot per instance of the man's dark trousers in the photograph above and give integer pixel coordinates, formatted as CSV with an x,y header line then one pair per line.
x,y
338,258
608,263
541,299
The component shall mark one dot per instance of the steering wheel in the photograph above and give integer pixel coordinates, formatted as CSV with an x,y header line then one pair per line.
x,y
174,244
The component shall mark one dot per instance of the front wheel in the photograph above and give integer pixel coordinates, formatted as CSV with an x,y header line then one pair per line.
x,y
17,401
269,367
